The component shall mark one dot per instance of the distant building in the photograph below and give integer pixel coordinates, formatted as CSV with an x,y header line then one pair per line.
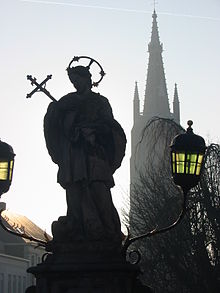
x,y
156,103
17,254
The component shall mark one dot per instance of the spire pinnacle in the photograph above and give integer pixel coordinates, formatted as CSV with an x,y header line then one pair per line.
x,y
155,40
176,106
155,2
176,98
136,94
136,104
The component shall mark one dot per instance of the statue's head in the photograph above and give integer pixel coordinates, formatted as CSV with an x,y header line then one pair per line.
x,y
80,77
81,74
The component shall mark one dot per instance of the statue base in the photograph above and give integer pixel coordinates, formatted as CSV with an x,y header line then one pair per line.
x,y
57,275
75,265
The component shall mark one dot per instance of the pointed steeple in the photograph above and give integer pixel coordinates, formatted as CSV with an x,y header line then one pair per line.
x,y
136,104
155,40
176,106
156,98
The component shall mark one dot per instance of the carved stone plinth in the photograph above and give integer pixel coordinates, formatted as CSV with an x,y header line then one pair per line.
x,y
67,276
84,266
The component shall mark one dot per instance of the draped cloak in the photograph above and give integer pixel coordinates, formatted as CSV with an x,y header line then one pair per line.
x,y
84,139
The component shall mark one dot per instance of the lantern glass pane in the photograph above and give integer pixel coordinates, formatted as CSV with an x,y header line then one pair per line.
x,y
3,170
199,164
173,162
11,169
180,162
191,163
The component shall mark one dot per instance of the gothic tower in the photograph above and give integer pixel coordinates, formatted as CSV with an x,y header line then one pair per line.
x,y
156,103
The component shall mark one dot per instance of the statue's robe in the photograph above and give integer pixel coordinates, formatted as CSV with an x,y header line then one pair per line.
x,y
88,145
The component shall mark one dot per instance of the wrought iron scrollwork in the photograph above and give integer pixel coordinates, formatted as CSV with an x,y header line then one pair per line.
x,y
129,240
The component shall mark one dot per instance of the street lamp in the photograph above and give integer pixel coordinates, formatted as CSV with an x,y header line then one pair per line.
x,y
187,152
6,172
6,166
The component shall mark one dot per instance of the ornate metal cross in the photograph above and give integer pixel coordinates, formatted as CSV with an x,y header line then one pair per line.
x,y
40,87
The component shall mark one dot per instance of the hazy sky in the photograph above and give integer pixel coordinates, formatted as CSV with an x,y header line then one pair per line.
x,y
41,37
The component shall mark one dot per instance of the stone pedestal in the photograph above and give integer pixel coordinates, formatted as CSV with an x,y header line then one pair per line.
x,y
85,266
109,277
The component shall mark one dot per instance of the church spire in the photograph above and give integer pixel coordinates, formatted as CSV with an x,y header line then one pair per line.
x,y
156,97
155,40
176,106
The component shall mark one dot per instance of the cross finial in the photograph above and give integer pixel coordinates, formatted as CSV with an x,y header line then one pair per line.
x,y
154,3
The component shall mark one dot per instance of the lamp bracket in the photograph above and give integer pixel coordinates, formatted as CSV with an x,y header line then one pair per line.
x,y
24,234
129,240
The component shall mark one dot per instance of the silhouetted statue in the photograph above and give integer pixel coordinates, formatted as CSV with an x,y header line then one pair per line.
x,y
88,145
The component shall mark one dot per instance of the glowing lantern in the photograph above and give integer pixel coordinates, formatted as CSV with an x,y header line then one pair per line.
x,y
187,152
6,166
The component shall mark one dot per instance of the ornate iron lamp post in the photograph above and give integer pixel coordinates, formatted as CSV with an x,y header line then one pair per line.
x,y
187,152
6,166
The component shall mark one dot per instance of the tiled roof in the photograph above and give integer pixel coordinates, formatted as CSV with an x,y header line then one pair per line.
x,y
22,224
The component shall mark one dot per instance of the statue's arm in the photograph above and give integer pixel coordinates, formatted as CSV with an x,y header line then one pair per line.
x,y
52,131
114,138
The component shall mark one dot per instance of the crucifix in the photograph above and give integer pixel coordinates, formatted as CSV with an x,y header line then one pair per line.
x,y
40,87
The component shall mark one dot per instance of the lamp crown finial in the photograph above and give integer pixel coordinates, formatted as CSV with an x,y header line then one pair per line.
x,y
190,123
189,129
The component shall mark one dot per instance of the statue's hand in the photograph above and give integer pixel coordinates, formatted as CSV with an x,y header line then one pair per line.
x,y
74,134
89,135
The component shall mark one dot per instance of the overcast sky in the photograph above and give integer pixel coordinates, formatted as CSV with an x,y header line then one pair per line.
x,y
41,37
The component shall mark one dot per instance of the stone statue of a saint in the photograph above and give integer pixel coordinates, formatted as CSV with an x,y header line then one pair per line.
x,y
88,145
